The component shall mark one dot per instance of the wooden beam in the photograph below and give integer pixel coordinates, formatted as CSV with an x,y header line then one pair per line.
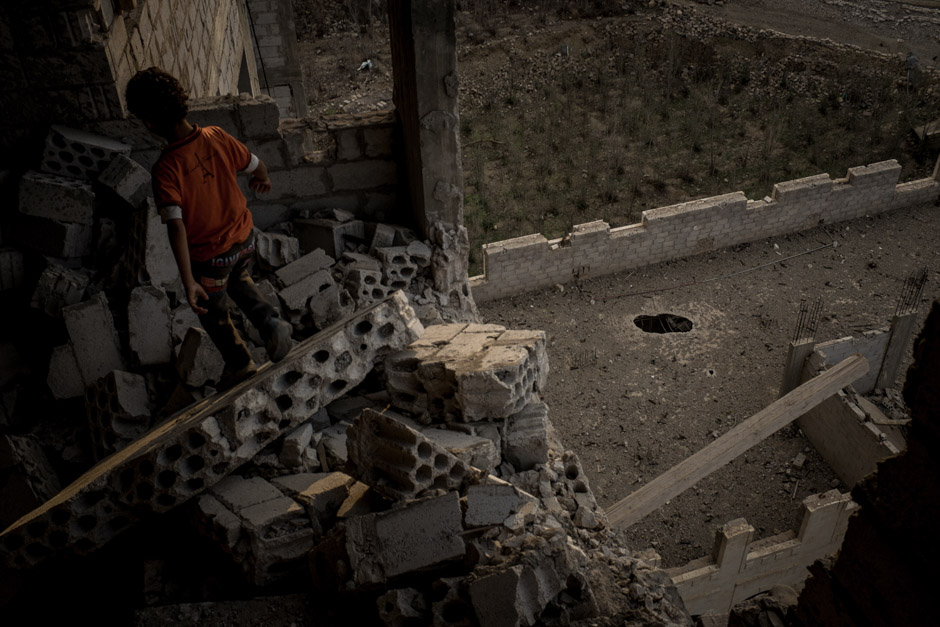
x,y
688,472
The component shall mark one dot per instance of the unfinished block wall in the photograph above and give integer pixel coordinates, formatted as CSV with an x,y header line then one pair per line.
x,y
68,61
275,39
594,249
355,171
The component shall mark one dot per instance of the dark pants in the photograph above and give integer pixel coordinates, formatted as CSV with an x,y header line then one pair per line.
x,y
227,280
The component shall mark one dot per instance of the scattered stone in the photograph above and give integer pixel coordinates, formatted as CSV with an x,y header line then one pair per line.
x,y
199,361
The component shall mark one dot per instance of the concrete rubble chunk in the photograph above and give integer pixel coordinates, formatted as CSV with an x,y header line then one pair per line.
x,y
527,439
183,317
451,606
419,253
330,305
198,447
218,523
321,494
473,450
57,198
469,372
517,595
365,285
79,154
309,264
347,408
238,493
26,478
118,409
65,377
397,267
398,460
402,607
199,361
276,250
332,236
314,287
418,535
149,326
294,445
11,269
58,287
149,258
383,237
93,338
362,500
127,179
64,240
494,504
332,446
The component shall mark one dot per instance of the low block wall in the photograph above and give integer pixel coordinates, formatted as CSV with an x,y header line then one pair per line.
x,y
594,249
739,568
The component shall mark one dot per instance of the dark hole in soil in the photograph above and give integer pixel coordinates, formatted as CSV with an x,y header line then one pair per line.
x,y
663,323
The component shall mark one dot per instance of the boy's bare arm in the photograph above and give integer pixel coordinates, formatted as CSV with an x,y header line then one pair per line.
x,y
176,231
259,180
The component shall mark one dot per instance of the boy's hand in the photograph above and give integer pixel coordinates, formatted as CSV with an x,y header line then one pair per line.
x,y
194,293
260,185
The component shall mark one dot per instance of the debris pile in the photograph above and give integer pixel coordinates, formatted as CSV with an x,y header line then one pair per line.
x,y
413,470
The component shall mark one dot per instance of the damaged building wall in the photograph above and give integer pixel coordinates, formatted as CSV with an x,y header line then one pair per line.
x,y
279,74
68,61
594,249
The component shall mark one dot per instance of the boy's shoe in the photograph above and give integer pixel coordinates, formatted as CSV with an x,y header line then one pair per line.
x,y
278,341
231,377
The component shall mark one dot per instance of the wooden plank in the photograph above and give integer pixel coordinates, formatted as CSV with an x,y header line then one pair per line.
x,y
782,412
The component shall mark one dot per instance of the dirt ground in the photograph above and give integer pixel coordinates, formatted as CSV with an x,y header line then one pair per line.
x,y
632,404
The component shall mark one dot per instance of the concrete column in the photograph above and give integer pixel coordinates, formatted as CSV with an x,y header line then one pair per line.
x,y
900,334
793,372
424,55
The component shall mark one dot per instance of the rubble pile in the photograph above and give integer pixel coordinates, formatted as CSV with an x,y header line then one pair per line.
x,y
412,470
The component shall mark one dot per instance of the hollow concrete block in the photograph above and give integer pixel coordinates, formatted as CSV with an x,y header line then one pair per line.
x,y
119,410
58,287
309,264
56,198
127,179
93,337
276,250
79,154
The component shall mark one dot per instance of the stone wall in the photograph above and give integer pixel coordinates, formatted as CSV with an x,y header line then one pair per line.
x,y
68,61
272,27
594,249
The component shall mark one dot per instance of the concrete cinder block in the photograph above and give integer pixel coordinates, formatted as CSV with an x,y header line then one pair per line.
x,y
238,493
362,175
365,286
127,179
93,337
79,154
199,361
297,296
330,305
64,378
217,522
527,439
57,198
276,250
118,409
398,460
397,267
258,116
58,287
419,535
149,258
11,269
321,494
332,236
384,237
27,480
149,326
309,264
65,240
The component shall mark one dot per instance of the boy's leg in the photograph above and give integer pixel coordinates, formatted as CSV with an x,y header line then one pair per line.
x,y
266,318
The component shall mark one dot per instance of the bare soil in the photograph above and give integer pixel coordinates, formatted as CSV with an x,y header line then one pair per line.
x,y
580,113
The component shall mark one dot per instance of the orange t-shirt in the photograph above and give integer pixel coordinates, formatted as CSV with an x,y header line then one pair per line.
x,y
198,173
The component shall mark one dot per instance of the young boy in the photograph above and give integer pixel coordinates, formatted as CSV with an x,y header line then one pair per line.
x,y
210,228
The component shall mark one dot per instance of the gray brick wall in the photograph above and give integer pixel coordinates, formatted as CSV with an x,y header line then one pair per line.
x,y
594,249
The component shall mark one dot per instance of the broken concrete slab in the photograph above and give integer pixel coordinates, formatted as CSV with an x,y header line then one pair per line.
x,y
238,493
296,296
93,337
149,326
149,258
199,361
119,411
182,319
321,494
198,447
309,264
58,287
276,250
56,198
127,180
402,607
330,305
65,376
79,154
399,461
475,451
418,535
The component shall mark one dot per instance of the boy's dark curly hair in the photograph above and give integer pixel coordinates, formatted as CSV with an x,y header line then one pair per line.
x,y
156,96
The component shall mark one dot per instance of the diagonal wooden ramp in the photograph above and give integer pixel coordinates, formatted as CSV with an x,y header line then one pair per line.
x,y
688,472
199,446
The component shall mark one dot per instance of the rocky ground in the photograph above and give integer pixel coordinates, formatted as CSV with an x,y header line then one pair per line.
x,y
632,404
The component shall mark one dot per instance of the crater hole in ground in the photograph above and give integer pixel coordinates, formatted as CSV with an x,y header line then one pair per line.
x,y
663,323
